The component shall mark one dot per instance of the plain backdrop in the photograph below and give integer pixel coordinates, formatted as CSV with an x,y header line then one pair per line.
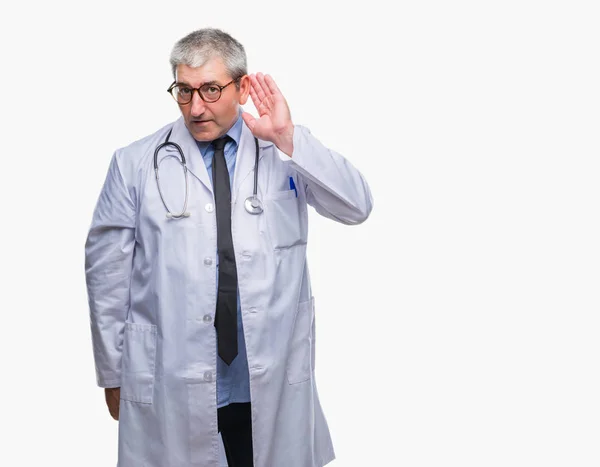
x,y
458,326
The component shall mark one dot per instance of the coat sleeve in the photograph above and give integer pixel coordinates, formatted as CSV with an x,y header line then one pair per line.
x,y
334,187
108,264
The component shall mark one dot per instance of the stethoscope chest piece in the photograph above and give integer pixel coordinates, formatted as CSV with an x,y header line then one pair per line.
x,y
253,205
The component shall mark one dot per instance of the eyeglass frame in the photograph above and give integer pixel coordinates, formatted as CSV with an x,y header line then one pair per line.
x,y
175,83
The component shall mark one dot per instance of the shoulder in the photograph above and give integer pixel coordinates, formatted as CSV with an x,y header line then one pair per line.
x,y
131,158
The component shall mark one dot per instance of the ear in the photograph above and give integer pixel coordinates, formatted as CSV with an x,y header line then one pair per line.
x,y
244,89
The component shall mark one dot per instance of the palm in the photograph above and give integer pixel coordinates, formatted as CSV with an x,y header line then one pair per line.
x,y
273,111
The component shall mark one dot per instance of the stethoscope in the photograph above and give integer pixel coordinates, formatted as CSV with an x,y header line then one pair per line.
x,y
252,204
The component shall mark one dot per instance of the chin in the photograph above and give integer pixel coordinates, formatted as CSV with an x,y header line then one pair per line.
x,y
207,135
202,137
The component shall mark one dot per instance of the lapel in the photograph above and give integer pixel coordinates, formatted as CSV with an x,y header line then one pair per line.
x,y
193,158
246,158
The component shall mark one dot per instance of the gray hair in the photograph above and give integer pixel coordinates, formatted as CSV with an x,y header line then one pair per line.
x,y
198,47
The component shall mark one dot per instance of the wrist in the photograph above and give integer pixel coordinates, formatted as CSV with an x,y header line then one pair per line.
x,y
285,140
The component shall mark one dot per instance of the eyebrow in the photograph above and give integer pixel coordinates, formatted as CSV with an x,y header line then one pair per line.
x,y
201,84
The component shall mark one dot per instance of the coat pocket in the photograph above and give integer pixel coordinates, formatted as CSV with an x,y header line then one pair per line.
x,y
138,362
300,357
284,221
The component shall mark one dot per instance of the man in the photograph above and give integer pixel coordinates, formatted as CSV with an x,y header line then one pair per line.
x,y
202,315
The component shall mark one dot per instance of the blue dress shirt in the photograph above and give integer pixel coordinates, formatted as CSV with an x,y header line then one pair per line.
x,y
233,381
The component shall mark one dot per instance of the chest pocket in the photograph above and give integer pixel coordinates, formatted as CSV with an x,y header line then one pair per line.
x,y
285,222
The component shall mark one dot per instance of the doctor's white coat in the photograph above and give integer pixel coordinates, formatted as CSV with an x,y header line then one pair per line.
x,y
151,285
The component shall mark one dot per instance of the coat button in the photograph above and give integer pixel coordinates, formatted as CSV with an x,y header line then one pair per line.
x,y
209,207
207,318
207,376
252,310
208,261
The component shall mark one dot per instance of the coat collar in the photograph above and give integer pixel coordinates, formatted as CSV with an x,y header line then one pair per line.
x,y
182,136
245,158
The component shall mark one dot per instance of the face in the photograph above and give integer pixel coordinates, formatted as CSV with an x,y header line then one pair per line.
x,y
209,121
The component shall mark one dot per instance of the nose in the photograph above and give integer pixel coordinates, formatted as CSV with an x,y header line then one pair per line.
x,y
197,105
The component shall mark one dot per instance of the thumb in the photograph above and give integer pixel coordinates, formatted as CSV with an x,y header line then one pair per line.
x,y
249,120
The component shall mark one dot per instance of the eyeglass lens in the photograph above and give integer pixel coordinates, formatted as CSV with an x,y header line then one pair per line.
x,y
183,94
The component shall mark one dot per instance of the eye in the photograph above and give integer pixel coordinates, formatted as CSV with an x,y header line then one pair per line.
x,y
212,89
185,91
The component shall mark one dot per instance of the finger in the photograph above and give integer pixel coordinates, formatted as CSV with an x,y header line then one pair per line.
x,y
271,84
118,405
261,86
255,100
259,94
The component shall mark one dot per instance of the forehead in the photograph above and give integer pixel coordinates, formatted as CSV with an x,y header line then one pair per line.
x,y
213,70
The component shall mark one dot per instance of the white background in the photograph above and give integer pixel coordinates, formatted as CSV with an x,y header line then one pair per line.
x,y
458,326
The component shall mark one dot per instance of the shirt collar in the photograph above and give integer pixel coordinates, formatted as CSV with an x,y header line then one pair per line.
x,y
235,132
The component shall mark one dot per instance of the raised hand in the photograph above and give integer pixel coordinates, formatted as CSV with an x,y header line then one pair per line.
x,y
275,122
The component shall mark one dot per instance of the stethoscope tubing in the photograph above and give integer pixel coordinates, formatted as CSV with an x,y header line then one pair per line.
x,y
252,204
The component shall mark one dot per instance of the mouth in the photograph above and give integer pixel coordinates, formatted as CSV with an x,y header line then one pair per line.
x,y
200,122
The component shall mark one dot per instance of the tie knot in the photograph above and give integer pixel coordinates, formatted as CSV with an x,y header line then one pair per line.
x,y
219,144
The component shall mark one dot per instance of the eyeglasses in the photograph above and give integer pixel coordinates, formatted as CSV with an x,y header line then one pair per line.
x,y
209,92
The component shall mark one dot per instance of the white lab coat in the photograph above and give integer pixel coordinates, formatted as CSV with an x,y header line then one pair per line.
x,y
152,294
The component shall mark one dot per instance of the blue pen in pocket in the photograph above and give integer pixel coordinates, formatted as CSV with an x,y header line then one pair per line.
x,y
293,186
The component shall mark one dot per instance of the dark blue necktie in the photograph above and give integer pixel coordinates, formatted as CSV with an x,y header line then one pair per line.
x,y
226,315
